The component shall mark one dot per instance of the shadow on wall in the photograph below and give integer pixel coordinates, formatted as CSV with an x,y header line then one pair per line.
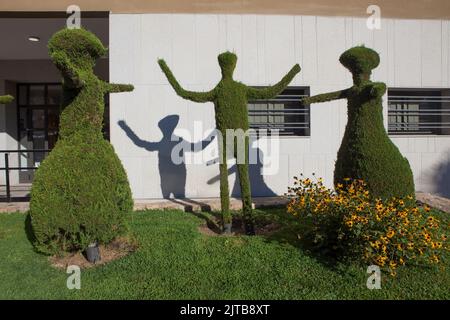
x,y
172,175
441,178
258,186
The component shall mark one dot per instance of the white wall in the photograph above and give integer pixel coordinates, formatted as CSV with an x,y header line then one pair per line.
x,y
414,53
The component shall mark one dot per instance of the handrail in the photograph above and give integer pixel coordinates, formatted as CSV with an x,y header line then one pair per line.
x,y
7,168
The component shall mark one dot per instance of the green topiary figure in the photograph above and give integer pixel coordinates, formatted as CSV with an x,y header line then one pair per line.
x,y
80,192
366,151
6,99
230,100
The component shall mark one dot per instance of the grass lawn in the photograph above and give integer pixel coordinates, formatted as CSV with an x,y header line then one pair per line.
x,y
176,261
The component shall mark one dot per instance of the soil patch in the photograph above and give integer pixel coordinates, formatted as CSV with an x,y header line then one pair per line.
x,y
118,248
212,228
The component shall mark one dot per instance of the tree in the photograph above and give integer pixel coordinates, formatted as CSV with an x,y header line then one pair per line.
x,y
80,192
230,99
366,151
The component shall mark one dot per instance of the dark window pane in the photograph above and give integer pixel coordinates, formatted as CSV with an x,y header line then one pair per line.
x,y
38,118
37,94
22,93
54,95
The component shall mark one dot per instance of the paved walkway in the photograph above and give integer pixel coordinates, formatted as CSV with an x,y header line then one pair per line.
x,y
213,204
188,205
434,201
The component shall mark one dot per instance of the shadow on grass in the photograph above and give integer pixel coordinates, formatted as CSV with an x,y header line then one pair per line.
x,y
210,219
29,229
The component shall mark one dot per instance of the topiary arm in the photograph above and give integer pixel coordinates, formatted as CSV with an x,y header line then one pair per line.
x,y
6,99
68,70
273,91
377,89
189,95
324,97
113,87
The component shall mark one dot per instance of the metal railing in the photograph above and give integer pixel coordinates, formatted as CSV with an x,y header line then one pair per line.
x,y
7,168
284,113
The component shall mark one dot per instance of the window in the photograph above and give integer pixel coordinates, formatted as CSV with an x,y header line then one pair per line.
x,y
284,113
419,111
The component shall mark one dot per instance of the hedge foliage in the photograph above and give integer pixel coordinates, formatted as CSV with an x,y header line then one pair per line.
x,y
230,100
80,192
366,151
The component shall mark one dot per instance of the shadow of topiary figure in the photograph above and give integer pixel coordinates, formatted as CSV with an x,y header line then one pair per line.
x,y
6,99
80,192
230,100
366,151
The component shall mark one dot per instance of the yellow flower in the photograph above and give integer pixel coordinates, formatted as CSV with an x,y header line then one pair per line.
x,y
427,237
435,259
390,234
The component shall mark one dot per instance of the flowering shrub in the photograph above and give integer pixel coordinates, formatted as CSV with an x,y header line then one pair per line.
x,y
349,223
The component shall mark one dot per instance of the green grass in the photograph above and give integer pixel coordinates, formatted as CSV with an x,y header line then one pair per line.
x,y
175,261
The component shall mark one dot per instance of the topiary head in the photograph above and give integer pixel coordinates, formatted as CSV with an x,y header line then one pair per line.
x,y
360,61
227,62
82,47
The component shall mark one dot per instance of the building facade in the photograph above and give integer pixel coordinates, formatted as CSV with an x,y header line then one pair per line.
x,y
415,65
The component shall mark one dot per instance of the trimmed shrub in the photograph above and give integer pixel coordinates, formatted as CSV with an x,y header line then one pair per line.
x,y
349,224
366,151
80,192
230,100
6,99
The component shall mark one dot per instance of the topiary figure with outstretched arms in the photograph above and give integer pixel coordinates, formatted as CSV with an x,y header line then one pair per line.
x,y
366,151
6,99
230,100
80,193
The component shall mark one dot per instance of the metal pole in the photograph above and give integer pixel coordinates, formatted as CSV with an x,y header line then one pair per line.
x,y
8,187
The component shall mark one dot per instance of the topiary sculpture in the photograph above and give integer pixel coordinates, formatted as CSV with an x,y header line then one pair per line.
x,y
230,100
80,192
366,151
6,99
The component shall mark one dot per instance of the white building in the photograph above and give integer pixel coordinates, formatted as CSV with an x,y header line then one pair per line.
x,y
269,38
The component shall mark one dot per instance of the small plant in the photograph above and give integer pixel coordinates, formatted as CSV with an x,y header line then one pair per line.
x,y
349,223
